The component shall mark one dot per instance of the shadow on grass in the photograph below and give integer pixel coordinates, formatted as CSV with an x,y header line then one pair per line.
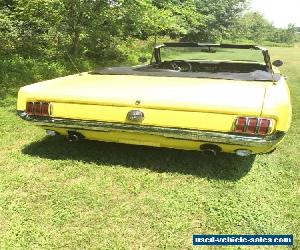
x,y
224,166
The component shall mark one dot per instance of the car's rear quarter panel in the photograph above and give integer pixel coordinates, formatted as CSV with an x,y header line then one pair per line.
x,y
277,105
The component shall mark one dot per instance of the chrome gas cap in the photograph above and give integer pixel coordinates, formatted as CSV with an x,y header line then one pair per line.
x,y
135,116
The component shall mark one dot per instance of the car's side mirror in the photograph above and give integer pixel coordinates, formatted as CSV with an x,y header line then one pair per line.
x,y
143,59
277,63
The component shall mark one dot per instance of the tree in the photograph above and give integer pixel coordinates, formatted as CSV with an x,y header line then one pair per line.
x,y
36,23
288,36
252,26
8,33
103,30
220,16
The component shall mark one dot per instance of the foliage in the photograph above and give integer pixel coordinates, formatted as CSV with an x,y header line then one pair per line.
x,y
92,29
220,16
254,27
17,71
8,33
106,30
288,36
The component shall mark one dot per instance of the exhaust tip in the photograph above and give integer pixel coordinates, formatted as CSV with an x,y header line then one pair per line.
x,y
243,152
51,132
74,136
210,149
210,152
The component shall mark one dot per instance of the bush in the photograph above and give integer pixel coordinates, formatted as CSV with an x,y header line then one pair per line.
x,y
18,71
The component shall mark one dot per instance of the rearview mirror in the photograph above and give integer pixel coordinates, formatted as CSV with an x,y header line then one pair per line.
x,y
277,63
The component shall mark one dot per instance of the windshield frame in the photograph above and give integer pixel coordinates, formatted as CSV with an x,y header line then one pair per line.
x,y
157,50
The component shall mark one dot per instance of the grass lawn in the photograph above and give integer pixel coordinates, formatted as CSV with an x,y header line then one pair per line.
x,y
111,196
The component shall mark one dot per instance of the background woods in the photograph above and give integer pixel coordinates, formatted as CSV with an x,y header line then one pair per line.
x,y
108,30
43,39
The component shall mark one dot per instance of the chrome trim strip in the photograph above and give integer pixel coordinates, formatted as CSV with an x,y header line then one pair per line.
x,y
270,126
247,124
257,126
50,109
175,133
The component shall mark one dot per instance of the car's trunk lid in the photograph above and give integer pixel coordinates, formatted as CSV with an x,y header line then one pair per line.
x,y
161,93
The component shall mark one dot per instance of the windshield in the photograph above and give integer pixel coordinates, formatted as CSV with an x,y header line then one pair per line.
x,y
211,54
230,62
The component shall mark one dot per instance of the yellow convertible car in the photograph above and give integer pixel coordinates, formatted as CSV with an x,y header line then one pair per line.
x,y
208,97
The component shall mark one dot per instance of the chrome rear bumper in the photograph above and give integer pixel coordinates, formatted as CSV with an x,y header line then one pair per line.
x,y
175,133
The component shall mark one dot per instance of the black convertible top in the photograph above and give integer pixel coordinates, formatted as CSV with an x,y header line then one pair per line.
x,y
148,70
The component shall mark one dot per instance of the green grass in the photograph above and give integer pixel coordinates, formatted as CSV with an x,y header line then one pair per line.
x,y
111,196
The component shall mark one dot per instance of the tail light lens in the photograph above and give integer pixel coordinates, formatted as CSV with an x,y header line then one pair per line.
x,y
253,126
37,108
240,124
45,108
264,125
29,108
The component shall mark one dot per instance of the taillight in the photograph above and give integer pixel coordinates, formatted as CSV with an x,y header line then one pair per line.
x,y
45,108
264,125
29,108
37,108
251,125
240,124
254,126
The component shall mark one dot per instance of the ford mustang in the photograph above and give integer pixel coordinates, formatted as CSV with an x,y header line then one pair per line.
x,y
192,96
